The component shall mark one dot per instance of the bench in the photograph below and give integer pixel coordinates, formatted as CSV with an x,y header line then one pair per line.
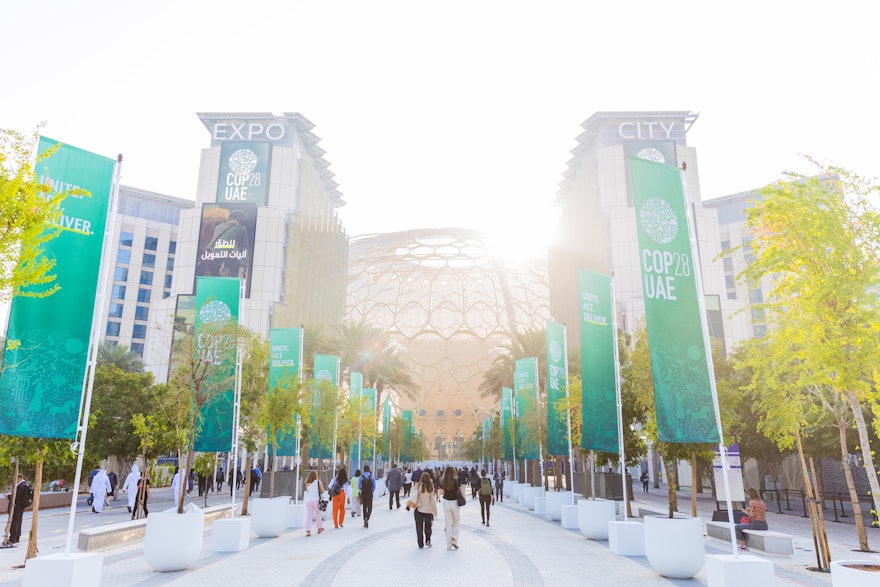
x,y
646,510
765,540
112,535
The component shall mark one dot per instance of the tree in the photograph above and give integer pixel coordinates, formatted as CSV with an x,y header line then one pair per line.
x,y
119,356
28,212
254,396
531,343
816,241
370,351
286,401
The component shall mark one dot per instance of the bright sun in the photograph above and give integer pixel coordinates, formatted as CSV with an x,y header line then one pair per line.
x,y
518,239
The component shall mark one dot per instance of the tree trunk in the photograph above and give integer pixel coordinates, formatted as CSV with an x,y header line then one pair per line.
x,y
694,478
35,511
850,484
587,494
247,483
865,444
672,489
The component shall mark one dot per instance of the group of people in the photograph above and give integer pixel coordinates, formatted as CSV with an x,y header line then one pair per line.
x,y
427,489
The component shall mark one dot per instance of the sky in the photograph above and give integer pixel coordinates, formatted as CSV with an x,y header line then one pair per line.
x,y
447,114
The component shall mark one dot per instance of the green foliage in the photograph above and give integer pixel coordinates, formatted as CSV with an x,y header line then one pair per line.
x,y
119,356
28,211
59,462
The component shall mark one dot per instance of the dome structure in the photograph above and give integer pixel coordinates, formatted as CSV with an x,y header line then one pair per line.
x,y
451,306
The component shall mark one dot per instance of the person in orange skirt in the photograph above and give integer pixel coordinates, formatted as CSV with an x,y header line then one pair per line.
x,y
339,492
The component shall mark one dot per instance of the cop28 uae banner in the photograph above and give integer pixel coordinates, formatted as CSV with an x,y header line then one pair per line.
x,y
244,172
557,389
217,301
368,403
525,387
285,367
682,389
47,341
326,368
598,370
506,424
355,394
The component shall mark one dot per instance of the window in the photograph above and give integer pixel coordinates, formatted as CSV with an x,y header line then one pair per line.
x,y
144,295
149,260
118,292
120,274
126,238
139,331
151,243
166,294
137,348
168,281
112,328
146,278
172,247
142,313
169,265
123,256
115,310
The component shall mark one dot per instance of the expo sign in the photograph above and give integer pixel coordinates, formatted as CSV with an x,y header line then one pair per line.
x,y
248,131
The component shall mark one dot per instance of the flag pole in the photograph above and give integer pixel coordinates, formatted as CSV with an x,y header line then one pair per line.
x,y
236,404
707,348
568,418
620,445
79,446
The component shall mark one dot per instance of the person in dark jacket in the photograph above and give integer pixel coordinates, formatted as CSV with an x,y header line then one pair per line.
x,y
394,481
366,487
18,501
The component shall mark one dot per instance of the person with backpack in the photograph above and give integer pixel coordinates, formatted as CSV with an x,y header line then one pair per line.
x,y
366,487
21,497
487,496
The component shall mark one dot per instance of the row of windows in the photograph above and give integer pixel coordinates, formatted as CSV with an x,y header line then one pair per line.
x,y
151,243
118,293
139,331
140,312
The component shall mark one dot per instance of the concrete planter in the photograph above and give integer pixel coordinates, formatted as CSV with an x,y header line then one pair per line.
x,y
269,517
173,541
555,501
626,538
231,534
569,517
593,517
528,496
855,573
64,570
745,570
674,546
541,506
297,513
516,491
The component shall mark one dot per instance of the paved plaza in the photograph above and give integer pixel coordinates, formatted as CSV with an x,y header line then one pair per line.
x,y
519,548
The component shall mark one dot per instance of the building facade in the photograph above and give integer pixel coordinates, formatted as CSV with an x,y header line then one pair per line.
x,y
597,226
265,212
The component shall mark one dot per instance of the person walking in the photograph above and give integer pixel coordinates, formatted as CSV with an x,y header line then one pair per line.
x,y
339,492
314,489
354,495
424,509
219,479
394,481
449,489
487,496
142,494
114,482
100,489
474,482
366,488
644,479
18,499
130,486
407,482
499,484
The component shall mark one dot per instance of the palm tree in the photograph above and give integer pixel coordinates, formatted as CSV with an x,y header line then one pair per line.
x,y
371,351
531,343
119,356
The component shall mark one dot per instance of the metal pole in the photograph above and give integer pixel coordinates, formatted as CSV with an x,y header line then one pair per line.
x,y
89,376
568,420
621,448
236,410
707,348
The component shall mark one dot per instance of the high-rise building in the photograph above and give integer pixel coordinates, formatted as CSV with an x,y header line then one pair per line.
x,y
265,211
597,226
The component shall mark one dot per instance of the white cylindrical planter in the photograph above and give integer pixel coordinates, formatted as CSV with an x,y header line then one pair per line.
x,y
593,517
541,506
173,541
855,573
77,569
674,546
269,517
505,488
528,496
516,491
555,501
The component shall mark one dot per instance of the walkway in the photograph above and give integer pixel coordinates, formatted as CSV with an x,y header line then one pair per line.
x,y
519,548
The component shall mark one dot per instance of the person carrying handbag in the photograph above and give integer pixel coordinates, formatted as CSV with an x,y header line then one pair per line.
x,y
424,509
312,494
450,492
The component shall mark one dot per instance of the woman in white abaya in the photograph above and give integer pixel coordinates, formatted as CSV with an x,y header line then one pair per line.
x,y
131,486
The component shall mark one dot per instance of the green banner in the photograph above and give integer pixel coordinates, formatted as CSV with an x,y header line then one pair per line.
x,y
244,172
355,396
47,342
285,368
368,402
557,389
217,301
525,386
682,389
406,449
598,371
386,428
326,368
506,424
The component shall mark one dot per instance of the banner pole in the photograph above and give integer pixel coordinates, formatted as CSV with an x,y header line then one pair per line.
x,y
568,418
94,341
621,448
236,402
707,344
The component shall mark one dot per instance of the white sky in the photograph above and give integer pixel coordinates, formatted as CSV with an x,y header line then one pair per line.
x,y
447,113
